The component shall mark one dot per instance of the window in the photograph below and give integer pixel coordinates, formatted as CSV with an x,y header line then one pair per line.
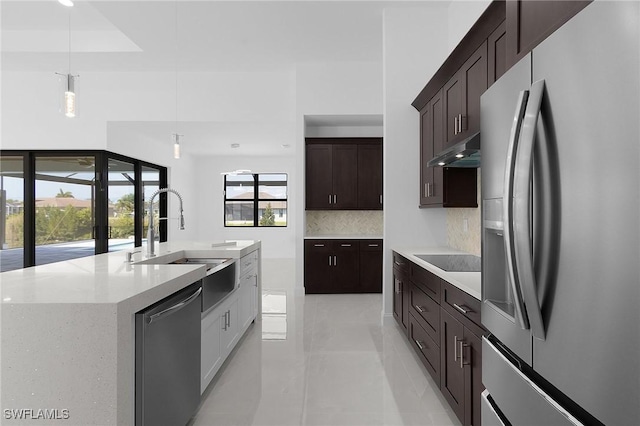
x,y
255,199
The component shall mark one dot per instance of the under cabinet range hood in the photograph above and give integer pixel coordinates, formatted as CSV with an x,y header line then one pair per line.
x,y
465,153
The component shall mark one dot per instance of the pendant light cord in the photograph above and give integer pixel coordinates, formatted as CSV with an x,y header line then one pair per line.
x,y
176,67
69,42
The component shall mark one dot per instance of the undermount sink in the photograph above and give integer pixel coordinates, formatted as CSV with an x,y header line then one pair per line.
x,y
453,262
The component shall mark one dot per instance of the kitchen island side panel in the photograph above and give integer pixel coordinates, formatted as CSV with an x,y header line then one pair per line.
x,y
60,358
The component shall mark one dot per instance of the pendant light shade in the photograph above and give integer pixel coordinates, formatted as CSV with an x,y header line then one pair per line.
x,y
70,97
176,145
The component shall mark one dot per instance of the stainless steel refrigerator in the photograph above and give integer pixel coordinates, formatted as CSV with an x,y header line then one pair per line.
x,y
561,227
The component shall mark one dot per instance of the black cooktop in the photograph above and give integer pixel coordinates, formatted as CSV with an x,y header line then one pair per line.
x,y
453,262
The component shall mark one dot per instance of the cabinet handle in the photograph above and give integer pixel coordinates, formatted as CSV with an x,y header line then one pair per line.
x,y
398,263
398,284
462,117
318,245
335,199
329,260
419,308
345,245
420,344
329,198
462,308
380,198
335,260
373,245
426,193
455,125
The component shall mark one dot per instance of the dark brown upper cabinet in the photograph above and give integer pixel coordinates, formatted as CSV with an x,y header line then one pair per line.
x,y
442,187
370,176
461,95
530,22
343,174
497,53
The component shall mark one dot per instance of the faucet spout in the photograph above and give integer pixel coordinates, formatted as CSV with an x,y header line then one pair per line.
x,y
151,230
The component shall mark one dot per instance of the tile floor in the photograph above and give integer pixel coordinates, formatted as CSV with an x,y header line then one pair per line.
x,y
322,360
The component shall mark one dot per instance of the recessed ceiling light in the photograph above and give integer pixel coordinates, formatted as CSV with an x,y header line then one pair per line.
x,y
235,145
67,3
459,155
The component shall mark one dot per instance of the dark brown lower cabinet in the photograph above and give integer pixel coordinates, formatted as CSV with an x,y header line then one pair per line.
x,y
461,372
336,266
442,324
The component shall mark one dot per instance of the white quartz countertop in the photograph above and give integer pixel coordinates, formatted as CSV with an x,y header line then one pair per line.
x,y
469,282
343,237
108,278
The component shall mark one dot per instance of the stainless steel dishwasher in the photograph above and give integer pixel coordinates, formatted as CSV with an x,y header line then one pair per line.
x,y
168,359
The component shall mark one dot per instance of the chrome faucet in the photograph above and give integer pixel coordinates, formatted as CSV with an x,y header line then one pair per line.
x,y
151,230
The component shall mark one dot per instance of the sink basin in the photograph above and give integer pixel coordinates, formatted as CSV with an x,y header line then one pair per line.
x,y
211,263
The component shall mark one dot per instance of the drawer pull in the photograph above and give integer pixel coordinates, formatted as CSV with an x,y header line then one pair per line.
x,y
398,263
318,245
420,309
420,344
464,308
373,245
345,245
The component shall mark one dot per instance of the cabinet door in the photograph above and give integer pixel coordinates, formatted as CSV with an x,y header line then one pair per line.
x,y
319,175
345,177
426,154
400,280
318,261
346,266
452,93
370,266
473,76
497,54
472,354
230,333
451,373
210,349
245,303
530,22
370,177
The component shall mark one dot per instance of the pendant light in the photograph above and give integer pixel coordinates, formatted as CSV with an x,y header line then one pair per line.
x,y
69,106
176,136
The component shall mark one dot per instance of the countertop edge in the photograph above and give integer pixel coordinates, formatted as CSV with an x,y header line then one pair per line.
x,y
469,282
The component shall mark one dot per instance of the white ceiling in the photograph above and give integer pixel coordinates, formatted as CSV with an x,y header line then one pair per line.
x,y
211,35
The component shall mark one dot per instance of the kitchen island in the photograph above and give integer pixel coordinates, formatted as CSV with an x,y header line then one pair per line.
x,y
67,341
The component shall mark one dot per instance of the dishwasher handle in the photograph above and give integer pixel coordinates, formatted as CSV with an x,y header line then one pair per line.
x,y
174,308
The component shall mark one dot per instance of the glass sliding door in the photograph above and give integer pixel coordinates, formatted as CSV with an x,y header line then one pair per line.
x,y
151,182
65,207
121,205
11,213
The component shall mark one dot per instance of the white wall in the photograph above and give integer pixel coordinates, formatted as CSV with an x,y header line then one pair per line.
x,y
461,17
414,47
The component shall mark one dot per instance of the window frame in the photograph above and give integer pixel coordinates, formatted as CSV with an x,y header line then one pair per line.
x,y
255,200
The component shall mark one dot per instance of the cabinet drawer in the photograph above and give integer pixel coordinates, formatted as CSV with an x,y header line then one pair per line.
x,y
422,306
247,263
371,245
400,263
461,304
425,346
428,282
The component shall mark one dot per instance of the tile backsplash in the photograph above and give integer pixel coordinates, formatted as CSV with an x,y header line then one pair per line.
x,y
344,222
461,237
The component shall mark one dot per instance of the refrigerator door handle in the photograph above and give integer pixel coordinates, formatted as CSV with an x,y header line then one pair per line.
x,y
520,314
521,218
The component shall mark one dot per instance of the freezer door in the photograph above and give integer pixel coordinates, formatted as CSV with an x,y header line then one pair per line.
x,y
586,189
517,397
501,105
